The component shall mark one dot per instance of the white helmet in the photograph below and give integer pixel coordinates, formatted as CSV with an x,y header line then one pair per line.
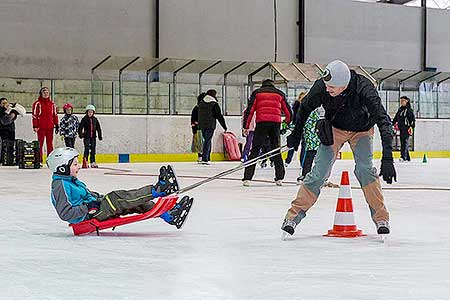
x,y
60,159
90,107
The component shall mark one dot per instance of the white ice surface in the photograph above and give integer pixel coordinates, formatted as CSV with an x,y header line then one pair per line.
x,y
230,248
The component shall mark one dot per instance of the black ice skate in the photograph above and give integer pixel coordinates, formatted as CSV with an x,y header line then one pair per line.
x,y
288,226
383,227
178,214
167,182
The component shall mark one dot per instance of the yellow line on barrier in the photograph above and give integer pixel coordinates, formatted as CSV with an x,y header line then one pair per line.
x,y
192,157
396,154
158,157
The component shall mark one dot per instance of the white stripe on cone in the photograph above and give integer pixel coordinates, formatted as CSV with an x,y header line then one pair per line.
x,y
345,192
344,218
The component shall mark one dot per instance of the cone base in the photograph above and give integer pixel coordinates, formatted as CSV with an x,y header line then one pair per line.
x,y
344,234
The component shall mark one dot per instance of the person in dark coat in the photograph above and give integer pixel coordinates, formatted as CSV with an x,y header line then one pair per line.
x,y
295,107
197,139
406,122
352,108
7,133
89,130
208,113
268,103
8,115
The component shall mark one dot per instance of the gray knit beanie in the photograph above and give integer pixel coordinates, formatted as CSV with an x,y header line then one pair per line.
x,y
336,74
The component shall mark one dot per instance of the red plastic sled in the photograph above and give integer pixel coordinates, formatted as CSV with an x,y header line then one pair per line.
x,y
231,146
164,204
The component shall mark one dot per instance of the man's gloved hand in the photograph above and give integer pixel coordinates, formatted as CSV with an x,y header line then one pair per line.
x,y
100,138
387,170
56,129
293,141
93,207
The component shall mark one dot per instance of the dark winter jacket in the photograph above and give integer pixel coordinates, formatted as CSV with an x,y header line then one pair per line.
x,y
268,103
90,128
68,126
295,108
194,119
208,112
7,127
357,109
405,118
44,114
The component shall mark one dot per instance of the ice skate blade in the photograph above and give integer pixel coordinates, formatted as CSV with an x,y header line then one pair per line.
x,y
383,238
285,236
187,216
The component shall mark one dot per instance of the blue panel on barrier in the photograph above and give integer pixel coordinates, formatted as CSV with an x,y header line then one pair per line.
x,y
124,158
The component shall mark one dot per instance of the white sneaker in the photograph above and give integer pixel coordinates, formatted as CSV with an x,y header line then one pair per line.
x,y
246,183
94,165
204,162
278,182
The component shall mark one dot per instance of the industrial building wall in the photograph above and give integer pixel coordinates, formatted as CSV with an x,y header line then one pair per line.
x,y
65,38
359,33
230,30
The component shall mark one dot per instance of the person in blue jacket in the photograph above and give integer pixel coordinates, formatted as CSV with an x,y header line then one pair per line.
x,y
74,202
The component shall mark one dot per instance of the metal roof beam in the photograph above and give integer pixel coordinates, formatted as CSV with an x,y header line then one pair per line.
x,y
445,79
301,72
376,71
128,64
234,68
156,65
209,67
183,66
429,77
409,77
100,63
259,69
390,75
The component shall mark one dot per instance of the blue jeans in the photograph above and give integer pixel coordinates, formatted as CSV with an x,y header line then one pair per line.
x,y
207,137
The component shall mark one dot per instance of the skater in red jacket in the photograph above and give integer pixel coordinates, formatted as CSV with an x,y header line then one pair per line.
x,y
45,119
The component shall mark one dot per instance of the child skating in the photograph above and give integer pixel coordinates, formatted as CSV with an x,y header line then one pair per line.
x,y
89,130
68,126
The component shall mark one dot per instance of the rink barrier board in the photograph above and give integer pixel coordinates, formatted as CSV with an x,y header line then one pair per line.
x,y
192,157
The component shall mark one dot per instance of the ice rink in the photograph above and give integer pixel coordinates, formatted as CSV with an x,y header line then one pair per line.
x,y
230,248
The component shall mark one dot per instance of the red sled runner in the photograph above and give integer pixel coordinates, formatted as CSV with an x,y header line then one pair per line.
x,y
231,146
164,204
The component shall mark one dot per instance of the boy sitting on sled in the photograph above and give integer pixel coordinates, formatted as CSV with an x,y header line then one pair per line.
x,y
74,202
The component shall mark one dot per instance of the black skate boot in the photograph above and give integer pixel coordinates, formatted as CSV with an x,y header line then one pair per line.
x,y
288,226
167,182
178,214
383,227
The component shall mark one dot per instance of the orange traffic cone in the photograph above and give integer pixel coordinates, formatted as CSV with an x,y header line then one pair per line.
x,y
85,164
344,220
